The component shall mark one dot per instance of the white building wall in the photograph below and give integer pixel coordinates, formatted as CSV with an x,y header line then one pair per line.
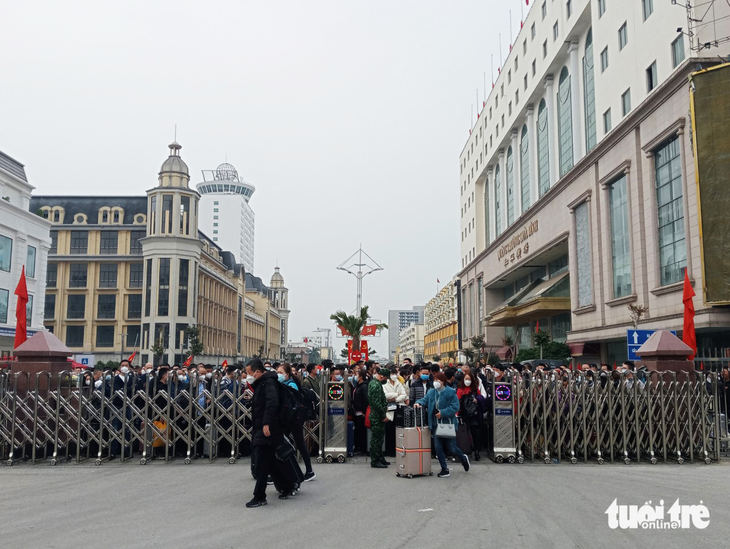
x,y
231,226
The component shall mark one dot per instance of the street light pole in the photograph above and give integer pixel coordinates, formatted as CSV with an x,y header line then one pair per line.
x,y
359,269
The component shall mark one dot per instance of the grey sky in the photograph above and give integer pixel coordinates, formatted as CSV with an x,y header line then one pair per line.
x,y
347,115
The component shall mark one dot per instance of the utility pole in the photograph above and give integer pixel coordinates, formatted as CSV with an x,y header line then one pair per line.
x,y
359,269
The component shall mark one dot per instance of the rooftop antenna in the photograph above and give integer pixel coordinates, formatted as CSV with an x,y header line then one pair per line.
x,y
359,269
175,140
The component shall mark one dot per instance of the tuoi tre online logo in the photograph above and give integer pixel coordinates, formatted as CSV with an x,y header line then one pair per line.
x,y
648,517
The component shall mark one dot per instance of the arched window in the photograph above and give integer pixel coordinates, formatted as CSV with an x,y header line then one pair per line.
x,y
525,169
543,149
510,187
589,93
486,212
497,201
565,123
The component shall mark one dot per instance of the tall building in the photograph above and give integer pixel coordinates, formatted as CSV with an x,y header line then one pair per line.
x,y
225,213
577,183
410,343
399,320
24,242
440,323
127,272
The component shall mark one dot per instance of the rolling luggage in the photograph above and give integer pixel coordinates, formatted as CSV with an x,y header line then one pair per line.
x,y
463,438
415,416
287,474
413,446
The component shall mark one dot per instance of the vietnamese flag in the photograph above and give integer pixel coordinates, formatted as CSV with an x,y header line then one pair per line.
x,y
189,361
21,311
131,357
369,330
688,329
225,363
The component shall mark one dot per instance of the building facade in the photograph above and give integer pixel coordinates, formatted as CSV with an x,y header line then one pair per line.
x,y
225,213
411,342
440,323
24,243
398,320
577,182
266,317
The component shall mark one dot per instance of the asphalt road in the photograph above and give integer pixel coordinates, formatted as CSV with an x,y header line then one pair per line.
x,y
351,506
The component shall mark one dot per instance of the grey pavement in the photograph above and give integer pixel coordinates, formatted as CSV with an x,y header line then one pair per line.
x,y
351,506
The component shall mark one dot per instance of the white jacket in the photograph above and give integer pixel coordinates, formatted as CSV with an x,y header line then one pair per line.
x,y
394,390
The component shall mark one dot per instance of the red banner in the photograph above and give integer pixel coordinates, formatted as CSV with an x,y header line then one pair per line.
x,y
369,330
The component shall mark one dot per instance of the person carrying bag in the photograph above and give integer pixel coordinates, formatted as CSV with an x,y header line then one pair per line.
x,y
443,405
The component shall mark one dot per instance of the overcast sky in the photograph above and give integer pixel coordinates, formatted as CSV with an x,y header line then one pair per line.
x,y
347,115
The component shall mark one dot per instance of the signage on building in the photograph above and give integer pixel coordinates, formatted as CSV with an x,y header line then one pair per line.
x,y
636,338
85,360
10,332
517,246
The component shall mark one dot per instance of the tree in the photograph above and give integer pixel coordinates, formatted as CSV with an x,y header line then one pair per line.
x,y
158,348
195,346
353,324
452,356
260,354
436,358
315,357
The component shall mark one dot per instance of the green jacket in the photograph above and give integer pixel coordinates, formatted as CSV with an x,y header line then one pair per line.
x,y
378,404
313,383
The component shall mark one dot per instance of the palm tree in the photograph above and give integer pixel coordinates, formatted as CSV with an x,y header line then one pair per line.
x,y
353,324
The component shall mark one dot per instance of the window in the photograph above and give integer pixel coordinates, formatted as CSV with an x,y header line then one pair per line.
x,y
215,203
76,307
517,60
167,213
509,79
565,123
672,252
54,242
601,7
497,200
647,7
517,98
108,275
525,169
486,213
74,336
525,80
215,210
163,298
49,311
153,214
107,307
135,246
51,275
583,254
6,253
132,337
626,102
560,265
532,32
604,59
543,152
524,51
480,305
77,275
182,298
555,31
105,336
79,242
136,274
651,77
215,224
589,93
109,242
185,215
510,187
544,10
134,306
534,67
215,217
148,289
623,37
30,262
544,49
569,8
620,253
607,121
4,297
678,50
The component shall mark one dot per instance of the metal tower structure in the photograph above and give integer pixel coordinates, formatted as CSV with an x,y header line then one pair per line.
x,y
359,269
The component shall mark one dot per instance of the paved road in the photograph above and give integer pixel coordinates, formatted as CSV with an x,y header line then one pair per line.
x,y
350,505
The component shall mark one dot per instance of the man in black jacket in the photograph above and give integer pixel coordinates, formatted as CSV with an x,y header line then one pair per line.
x,y
267,429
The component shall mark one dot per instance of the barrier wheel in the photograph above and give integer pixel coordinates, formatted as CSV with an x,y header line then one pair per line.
x,y
328,459
680,461
143,461
653,461
546,461
319,459
9,463
520,460
600,461
97,462
341,459
430,473
573,460
232,460
410,476
708,461
187,461
53,462
511,459
397,474
500,459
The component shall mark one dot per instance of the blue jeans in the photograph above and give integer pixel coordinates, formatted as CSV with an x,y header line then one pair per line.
x,y
450,443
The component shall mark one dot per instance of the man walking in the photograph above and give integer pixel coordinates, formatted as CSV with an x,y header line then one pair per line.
x,y
378,409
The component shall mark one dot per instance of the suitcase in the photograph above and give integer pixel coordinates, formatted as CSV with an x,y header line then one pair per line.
x,y
350,438
463,439
413,449
415,416
287,474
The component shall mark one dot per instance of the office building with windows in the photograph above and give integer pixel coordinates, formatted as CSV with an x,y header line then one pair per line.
x,y
399,320
24,242
225,213
440,323
577,183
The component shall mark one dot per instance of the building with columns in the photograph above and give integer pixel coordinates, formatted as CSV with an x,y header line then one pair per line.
x,y
577,183
24,242
440,323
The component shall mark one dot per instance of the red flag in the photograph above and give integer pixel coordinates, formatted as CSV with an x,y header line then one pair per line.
x,y
688,329
521,23
188,361
131,357
527,2
345,333
537,326
369,330
21,331
225,363
438,281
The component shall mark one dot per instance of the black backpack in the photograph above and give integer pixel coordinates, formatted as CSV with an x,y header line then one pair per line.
x,y
311,403
291,406
469,406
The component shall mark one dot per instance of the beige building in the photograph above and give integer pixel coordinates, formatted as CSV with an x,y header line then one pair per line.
x,y
264,318
440,323
411,342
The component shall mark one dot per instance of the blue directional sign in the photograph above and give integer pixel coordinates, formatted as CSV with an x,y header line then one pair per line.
x,y
636,338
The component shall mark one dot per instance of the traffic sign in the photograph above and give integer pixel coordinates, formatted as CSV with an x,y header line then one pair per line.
x,y
636,338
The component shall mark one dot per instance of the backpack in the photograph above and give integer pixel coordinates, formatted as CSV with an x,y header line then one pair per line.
x,y
291,406
310,401
469,406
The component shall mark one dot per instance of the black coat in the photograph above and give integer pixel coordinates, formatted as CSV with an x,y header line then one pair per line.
x,y
265,410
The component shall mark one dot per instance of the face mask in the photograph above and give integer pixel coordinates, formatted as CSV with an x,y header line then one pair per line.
x,y
338,377
87,382
437,385
250,380
305,374
97,383
424,377
351,379
467,382
394,378
281,378
208,375
181,378
108,377
124,370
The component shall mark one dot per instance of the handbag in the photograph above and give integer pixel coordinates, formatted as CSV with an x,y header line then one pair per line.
x,y
285,449
444,430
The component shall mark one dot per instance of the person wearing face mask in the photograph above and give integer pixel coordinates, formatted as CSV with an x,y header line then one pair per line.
x,y
312,380
442,405
420,388
396,398
285,377
360,407
378,410
471,413
119,385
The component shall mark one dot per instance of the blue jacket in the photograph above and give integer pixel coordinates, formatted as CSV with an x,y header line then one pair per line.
x,y
448,404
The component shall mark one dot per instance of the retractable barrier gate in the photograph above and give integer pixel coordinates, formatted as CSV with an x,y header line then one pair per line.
x,y
666,417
